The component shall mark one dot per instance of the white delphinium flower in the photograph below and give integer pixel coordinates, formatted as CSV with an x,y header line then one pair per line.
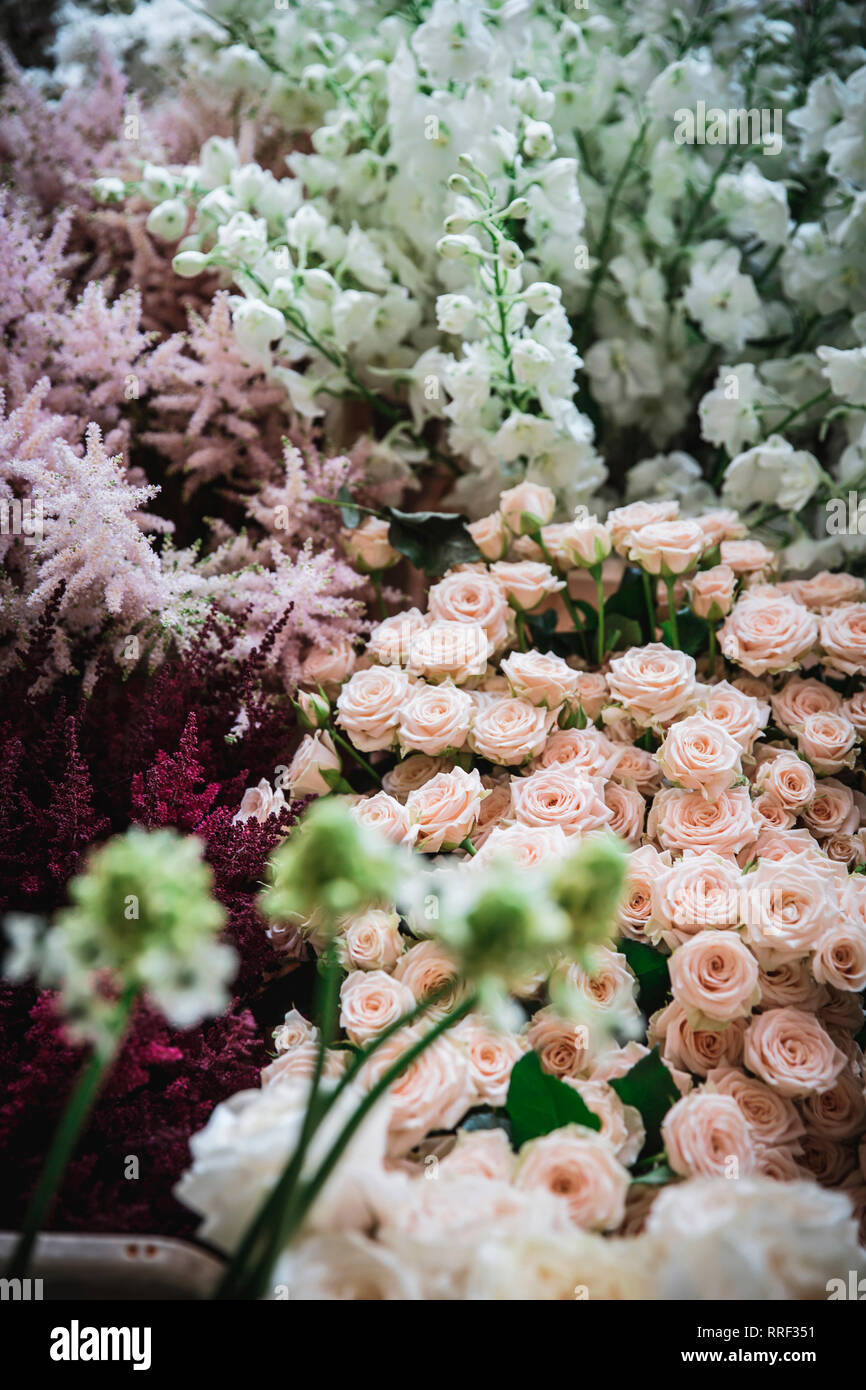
x,y
753,205
722,300
772,472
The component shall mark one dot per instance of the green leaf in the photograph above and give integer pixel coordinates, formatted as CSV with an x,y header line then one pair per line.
x,y
651,969
691,629
621,632
433,541
651,1089
537,1103
348,511
335,779
658,1176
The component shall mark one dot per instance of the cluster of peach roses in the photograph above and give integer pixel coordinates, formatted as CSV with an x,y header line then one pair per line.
x,y
736,791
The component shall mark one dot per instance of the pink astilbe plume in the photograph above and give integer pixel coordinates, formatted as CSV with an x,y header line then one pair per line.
x,y
217,416
88,553
77,130
32,271
287,509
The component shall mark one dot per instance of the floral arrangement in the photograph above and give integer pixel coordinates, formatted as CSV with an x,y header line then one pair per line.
x,y
433,618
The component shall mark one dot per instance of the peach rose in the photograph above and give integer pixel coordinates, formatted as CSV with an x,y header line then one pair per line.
x,y
667,547
490,1056
696,1050
526,582
370,940
798,698
384,814
788,906
711,592
683,820
839,957
743,716
587,749
790,984
479,1153
495,808
445,809
458,652
561,1044
788,780
706,1135
560,796
260,802
846,849
404,777
425,968
315,757
605,980
747,556
470,596
715,977
833,811
826,590
370,1001
367,545
839,1113
509,732
843,639
772,814
628,808
698,754
369,705
593,694
527,507
697,892
621,1125
827,740
434,1092
772,1119
768,633
855,710
790,1050
585,543
623,521
721,524
644,867
434,719
617,1061
490,535
581,1167
293,1031
329,665
524,846
391,640
636,767
540,677
653,683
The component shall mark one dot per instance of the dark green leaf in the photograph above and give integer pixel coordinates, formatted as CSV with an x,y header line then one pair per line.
x,y
651,969
650,1088
433,541
621,632
691,630
335,779
538,1103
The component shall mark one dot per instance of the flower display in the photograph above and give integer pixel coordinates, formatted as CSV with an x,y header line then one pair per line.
x,y
433,625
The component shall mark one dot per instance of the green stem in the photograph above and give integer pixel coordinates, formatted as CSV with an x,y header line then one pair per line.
x,y
607,223
712,649
353,753
801,410
521,632
595,571
66,1137
376,581
292,1221
468,846
670,585
650,605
